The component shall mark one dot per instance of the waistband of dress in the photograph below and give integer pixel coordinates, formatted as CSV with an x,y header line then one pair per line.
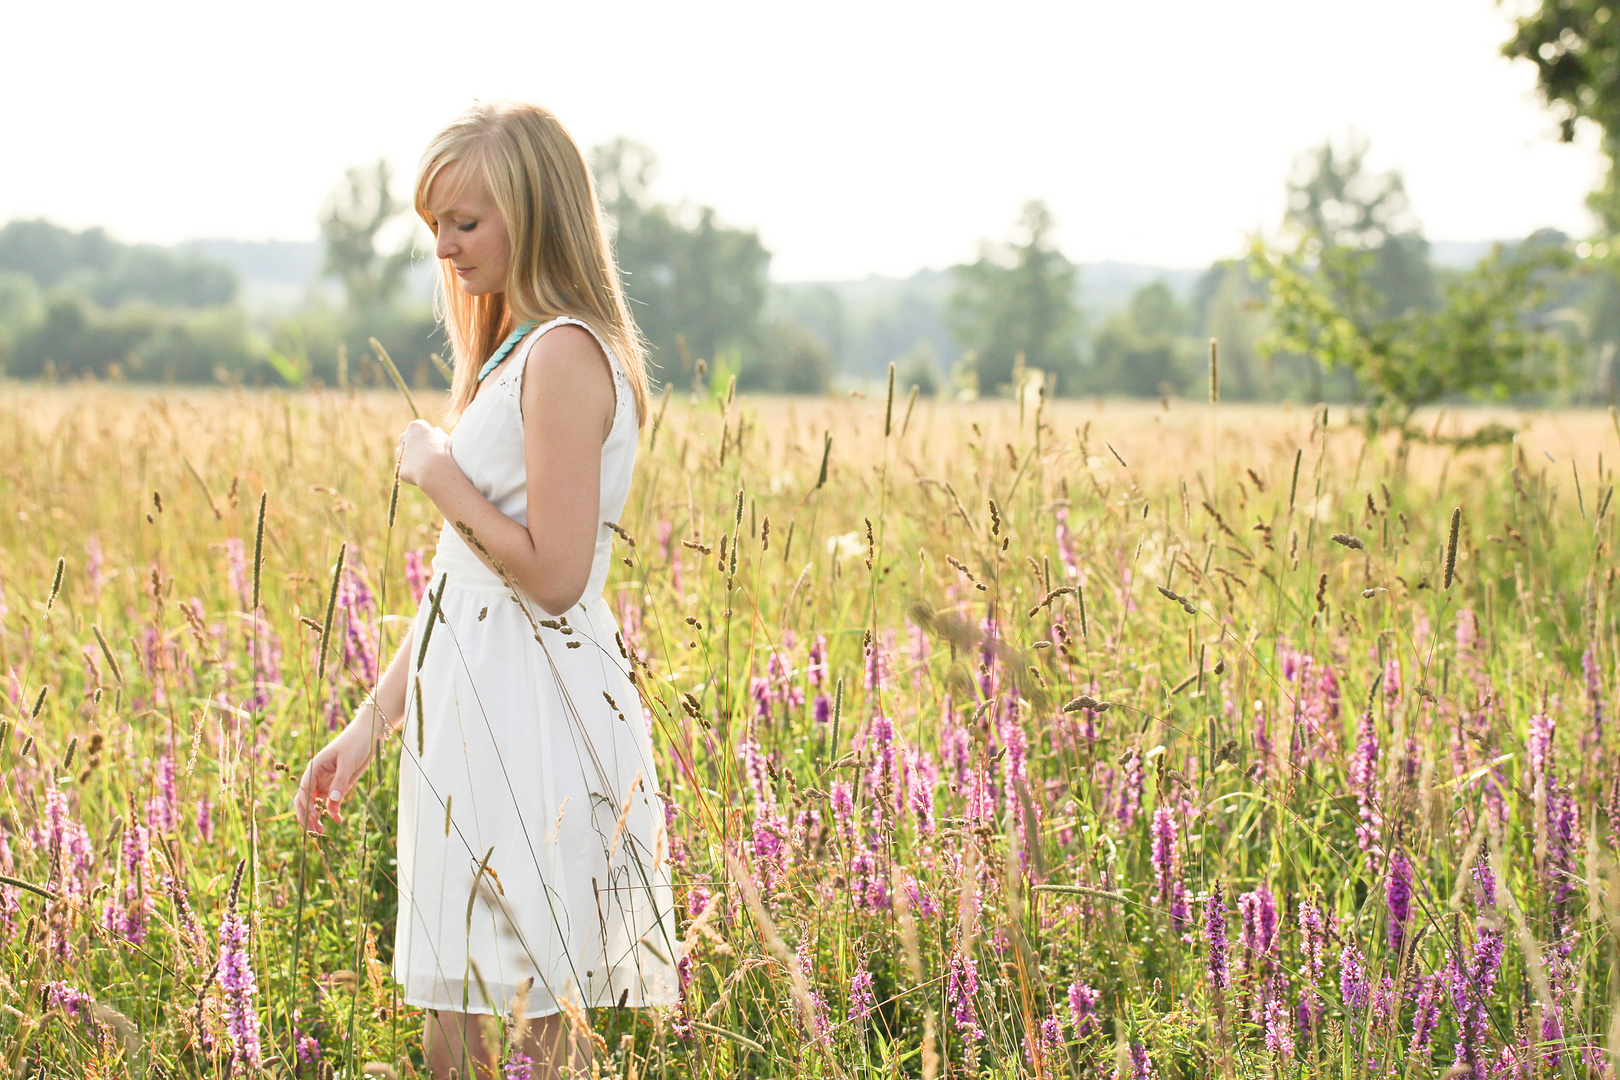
x,y
465,570
455,560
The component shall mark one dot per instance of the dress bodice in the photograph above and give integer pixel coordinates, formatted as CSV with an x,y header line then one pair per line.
x,y
487,444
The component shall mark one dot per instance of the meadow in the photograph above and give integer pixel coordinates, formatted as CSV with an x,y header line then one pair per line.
x,y
1005,739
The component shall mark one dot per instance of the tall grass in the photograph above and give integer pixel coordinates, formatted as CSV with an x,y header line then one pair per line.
x,y
999,740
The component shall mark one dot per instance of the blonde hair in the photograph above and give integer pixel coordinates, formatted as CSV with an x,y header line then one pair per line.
x,y
561,262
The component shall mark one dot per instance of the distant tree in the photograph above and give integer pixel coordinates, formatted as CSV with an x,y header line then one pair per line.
x,y
789,360
1229,305
355,215
1147,349
1336,205
111,273
692,282
920,368
1494,334
1019,298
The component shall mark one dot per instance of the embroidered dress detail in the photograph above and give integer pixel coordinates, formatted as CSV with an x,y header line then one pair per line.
x,y
533,856
506,346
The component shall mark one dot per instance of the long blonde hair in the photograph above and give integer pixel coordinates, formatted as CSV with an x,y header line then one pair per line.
x,y
561,262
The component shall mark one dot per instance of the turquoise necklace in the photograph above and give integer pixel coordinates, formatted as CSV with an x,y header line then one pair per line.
x,y
506,346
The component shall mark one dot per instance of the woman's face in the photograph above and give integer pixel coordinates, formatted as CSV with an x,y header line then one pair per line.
x,y
470,230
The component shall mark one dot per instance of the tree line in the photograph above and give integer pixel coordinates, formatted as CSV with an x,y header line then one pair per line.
x,y
1343,303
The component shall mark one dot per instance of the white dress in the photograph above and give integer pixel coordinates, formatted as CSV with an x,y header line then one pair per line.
x,y
532,841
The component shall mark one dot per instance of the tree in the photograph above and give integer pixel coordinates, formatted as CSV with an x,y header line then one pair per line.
x,y
1575,46
1337,206
1146,350
1493,334
693,284
354,216
1019,298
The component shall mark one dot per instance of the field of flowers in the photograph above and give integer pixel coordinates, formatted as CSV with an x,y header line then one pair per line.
x,y
1002,740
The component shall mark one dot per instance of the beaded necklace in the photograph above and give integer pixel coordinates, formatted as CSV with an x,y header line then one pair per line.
x,y
506,346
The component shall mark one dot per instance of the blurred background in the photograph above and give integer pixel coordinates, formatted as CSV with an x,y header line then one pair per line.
x,y
1396,202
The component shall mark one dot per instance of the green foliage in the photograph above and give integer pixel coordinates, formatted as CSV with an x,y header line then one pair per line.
x,y
790,360
1357,295
1491,335
1020,298
920,369
696,287
1146,350
1575,46
354,217
98,267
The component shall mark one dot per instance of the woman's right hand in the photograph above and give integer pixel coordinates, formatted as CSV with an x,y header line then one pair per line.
x,y
332,773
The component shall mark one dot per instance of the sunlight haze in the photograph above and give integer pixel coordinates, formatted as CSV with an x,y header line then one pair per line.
x,y
856,137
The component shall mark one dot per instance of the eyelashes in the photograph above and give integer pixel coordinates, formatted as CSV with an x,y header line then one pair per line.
x,y
467,227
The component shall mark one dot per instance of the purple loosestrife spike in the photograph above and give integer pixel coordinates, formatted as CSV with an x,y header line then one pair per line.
x,y
1259,911
236,569
1215,939
1130,797
960,991
519,1066
92,565
1141,1064
236,979
1164,852
1353,986
1398,894
1279,1027
1364,782
861,1001
1082,1008
1425,1014
1594,697
417,574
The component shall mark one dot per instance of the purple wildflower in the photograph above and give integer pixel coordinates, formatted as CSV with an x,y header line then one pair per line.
x,y
1215,938
92,566
1426,1015
236,570
1140,1063
235,973
519,1066
205,819
861,1001
1398,894
1083,1008
1164,851
71,1000
1594,696
1279,1028
1353,985
960,990
1364,782
417,574
1259,911
815,671
1130,797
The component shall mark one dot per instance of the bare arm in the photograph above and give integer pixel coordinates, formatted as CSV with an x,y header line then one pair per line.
x,y
333,772
568,400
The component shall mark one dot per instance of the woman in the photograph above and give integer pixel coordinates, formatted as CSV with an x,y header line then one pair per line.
x,y
532,869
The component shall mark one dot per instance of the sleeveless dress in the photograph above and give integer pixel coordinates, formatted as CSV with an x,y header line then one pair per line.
x,y
532,843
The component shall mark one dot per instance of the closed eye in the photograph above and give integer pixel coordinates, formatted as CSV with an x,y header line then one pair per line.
x,y
467,227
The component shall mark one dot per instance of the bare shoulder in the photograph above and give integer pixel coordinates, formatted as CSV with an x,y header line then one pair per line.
x,y
567,372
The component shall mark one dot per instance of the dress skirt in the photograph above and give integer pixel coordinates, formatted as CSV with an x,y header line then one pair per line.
x,y
532,840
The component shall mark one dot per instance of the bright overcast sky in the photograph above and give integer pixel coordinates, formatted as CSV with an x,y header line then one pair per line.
x,y
857,137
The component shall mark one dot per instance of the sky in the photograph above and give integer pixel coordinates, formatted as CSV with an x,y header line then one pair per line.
x,y
864,137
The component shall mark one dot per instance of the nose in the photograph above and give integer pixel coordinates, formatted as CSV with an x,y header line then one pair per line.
x,y
444,245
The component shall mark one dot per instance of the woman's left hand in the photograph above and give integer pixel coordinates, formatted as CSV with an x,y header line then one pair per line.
x,y
423,451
